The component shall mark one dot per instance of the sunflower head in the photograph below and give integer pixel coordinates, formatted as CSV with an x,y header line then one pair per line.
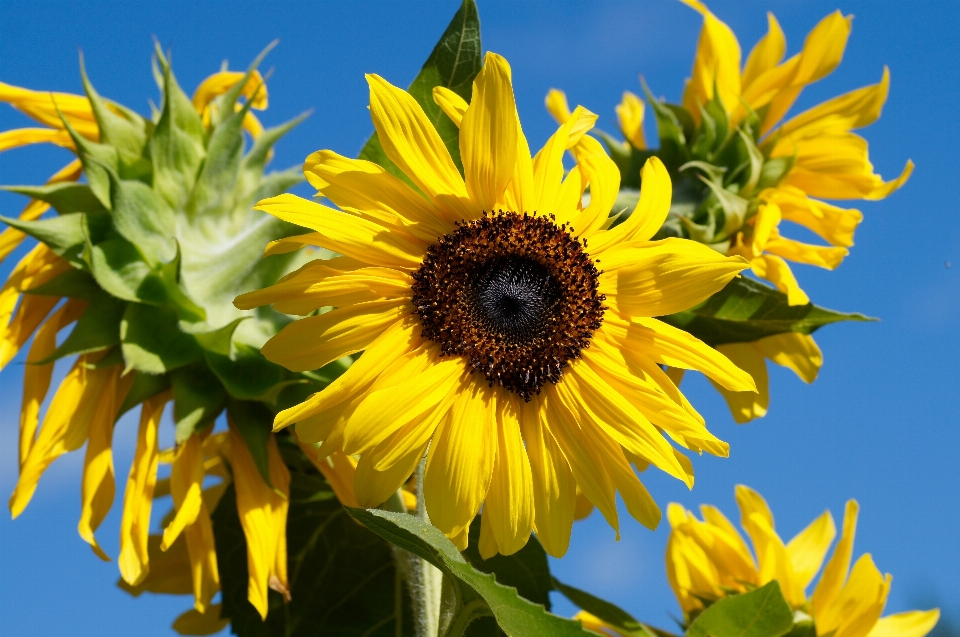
x,y
506,321
142,261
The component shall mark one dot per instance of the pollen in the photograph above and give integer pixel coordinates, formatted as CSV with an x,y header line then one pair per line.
x,y
516,295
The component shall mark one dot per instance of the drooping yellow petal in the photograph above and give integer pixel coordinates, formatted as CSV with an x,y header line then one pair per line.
x,y
410,140
914,623
169,570
338,470
858,606
292,244
795,351
509,505
98,487
134,558
775,269
821,256
554,488
375,485
835,225
36,378
186,486
461,459
745,406
630,116
488,134
835,572
193,622
43,106
263,516
645,279
313,342
717,65
347,234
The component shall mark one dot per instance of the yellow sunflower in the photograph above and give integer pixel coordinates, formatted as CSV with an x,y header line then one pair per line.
x,y
828,159
506,330
709,559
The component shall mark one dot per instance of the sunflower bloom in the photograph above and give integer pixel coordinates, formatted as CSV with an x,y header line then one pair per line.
x,y
492,340
708,559
826,159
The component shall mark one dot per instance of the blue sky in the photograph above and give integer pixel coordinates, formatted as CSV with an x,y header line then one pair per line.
x,y
880,423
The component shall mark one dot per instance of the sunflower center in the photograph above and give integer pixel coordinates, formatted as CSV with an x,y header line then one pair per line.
x,y
514,294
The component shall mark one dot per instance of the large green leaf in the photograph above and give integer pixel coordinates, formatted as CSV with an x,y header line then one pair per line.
x,y
760,613
342,578
620,619
746,310
475,594
453,63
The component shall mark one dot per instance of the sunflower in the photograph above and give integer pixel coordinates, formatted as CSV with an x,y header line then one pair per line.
x,y
506,327
708,560
139,316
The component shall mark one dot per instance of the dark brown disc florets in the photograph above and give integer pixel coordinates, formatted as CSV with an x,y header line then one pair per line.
x,y
515,294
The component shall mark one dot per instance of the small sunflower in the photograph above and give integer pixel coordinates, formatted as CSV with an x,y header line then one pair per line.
x,y
507,329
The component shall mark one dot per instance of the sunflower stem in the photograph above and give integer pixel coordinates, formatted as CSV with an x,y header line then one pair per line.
x,y
424,580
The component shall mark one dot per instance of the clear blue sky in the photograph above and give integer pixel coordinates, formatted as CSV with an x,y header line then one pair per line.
x,y
880,425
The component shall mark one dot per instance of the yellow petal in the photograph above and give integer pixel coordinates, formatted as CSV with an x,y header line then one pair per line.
x,y
263,516
745,406
460,461
46,108
795,351
774,269
186,485
370,191
169,570
820,256
98,487
554,488
410,140
450,103
219,83
859,605
556,103
645,279
292,244
134,558
194,622
647,217
717,64
548,169
766,54
765,225
671,346
312,342
630,116
509,505
375,486
835,572
488,134
338,470
347,234
26,136
602,174
809,547
849,111
205,577
835,225
914,623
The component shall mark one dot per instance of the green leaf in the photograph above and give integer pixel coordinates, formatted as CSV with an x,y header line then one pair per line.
x,y
246,374
143,218
98,328
620,619
454,62
98,161
526,570
72,284
673,140
746,310
121,128
342,577
213,340
254,162
177,147
215,190
476,594
144,386
198,398
63,234
152,340
64,197
760,613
